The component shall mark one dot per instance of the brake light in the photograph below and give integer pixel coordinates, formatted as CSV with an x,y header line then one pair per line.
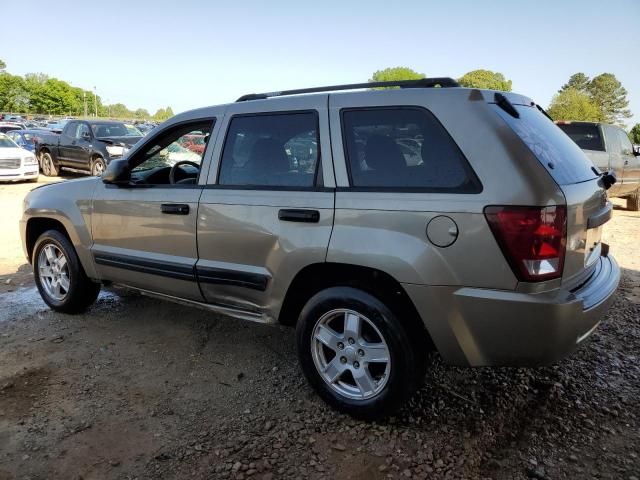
x,y
531,238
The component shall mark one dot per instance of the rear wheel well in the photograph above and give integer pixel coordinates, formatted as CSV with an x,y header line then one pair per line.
x,y
37,226
316,277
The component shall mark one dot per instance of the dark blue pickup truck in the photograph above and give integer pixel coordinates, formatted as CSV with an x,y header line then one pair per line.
x,y
85,146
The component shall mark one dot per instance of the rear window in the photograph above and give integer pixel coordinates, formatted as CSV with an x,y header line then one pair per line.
x,y
402,148
586,136
562,158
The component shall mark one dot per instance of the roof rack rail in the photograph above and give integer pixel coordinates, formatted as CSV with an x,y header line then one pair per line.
x,y
444,82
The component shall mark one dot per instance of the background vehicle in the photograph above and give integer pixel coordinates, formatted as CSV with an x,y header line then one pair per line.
x,y
375,254
195,143
609,148
16,163
27,139
85,146
7,127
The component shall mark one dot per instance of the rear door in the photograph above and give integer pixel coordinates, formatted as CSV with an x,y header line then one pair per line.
x,y
79,149
267,211
65,141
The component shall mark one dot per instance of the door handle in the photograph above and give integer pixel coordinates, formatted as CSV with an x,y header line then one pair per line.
x,y
175,208
299,215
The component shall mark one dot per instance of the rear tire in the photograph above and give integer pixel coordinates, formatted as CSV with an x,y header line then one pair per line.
x,y
348,370
59,276
98,166
633,201
48,166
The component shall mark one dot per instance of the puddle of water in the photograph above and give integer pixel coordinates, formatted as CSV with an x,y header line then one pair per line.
x,y
24,302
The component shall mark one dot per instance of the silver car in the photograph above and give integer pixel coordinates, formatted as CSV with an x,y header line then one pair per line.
x,y
382,224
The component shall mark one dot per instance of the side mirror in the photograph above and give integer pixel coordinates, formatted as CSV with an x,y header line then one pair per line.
x,y
118,172
86,136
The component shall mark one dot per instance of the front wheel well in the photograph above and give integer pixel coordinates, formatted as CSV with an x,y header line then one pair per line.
x,y
36,227
316,277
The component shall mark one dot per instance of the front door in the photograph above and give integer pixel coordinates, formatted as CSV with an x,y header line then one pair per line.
x,y
144,233
267,212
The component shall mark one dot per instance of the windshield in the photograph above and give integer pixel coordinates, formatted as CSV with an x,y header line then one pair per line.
x,y
6,142
585,135
103,130
561,157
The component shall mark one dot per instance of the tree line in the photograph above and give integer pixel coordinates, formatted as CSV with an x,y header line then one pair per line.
x,y
598,99
37,93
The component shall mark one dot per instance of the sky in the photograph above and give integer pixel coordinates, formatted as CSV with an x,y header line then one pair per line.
x,y
194,53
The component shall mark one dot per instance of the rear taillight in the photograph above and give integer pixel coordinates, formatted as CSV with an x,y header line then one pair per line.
x,y
531,238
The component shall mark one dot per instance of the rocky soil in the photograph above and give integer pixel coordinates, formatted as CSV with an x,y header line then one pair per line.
x,y
138,388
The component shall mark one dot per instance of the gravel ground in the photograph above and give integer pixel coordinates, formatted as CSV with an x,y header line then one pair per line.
x,y
139,388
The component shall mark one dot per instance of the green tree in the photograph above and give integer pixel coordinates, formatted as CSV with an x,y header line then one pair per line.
x,y
485,79
119,110
610,96
2,65
163,114
394,74
578,81
14,96
571,104
141,114
634,134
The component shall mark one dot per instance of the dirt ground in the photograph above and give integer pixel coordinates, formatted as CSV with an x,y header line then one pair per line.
x,y
138,388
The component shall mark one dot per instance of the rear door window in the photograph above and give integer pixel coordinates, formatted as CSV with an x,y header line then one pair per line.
x,y
559,155
403,148
584,135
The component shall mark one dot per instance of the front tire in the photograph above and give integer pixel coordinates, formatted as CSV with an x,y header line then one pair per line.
x,y
98,166
356,354
59,276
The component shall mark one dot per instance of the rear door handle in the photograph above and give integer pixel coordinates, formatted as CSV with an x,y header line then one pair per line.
x,y
299,215
175,208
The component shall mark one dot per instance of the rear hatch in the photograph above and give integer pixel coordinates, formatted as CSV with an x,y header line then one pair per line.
x,y
587,208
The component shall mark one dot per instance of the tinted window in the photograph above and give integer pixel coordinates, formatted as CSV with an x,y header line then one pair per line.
x,y
271,150
586,136
559,155
404,148
102,130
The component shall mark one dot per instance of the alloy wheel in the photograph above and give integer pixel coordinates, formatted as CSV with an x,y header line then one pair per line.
x,y
350,354
53,271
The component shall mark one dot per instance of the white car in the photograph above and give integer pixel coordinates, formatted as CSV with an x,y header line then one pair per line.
x,y
16,163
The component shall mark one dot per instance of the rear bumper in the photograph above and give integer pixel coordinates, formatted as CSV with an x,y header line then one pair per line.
x,y
477,327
